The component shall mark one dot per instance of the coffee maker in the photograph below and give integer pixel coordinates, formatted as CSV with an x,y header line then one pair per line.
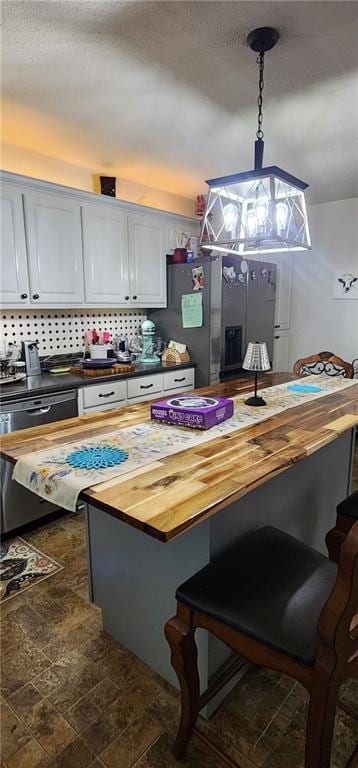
x,y
30,354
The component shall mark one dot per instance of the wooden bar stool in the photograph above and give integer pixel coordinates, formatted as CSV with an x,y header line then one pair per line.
x,y
283,606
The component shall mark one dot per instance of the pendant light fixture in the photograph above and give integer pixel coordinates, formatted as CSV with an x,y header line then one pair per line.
x,y
259,211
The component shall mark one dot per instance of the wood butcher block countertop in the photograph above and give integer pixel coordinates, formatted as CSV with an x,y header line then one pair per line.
x,y
168,497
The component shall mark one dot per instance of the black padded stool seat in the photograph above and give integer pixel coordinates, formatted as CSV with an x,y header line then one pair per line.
x,y
349,506
269,586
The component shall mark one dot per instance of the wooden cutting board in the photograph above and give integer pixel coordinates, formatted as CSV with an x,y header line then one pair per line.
x,y
103,371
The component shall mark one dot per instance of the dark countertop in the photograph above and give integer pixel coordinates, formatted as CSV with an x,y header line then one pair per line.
x,y
49,382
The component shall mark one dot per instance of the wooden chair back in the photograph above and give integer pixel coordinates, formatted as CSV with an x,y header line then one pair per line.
x,y
323,362
338,625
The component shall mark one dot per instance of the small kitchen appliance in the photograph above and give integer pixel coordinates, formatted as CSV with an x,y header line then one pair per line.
x,y
11,368
120,349
151,345
30,354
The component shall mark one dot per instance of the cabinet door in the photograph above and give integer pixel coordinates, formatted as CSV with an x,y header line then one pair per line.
x,y
105,253
148,244
13,262
283,291
53,225
281,350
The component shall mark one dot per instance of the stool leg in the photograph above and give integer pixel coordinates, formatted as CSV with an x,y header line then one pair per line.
x,y
320,723
184,657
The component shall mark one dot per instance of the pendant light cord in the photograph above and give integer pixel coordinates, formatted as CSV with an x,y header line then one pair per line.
x,y
260,61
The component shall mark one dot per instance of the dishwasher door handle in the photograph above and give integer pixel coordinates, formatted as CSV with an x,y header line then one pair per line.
x,y
39,411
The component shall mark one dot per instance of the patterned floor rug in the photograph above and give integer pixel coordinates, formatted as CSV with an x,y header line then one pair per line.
x,y
22,566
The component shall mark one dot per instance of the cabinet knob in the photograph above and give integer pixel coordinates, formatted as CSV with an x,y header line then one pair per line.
x,y
277,326
277,337
35,296
23,296
135,297
126,298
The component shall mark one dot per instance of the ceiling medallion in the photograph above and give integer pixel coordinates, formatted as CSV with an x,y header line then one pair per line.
x,y
258,211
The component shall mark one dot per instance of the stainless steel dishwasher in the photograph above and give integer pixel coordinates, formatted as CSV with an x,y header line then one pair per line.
x,y
18,505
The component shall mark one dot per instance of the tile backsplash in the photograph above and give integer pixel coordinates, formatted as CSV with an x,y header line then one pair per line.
x,y
62,331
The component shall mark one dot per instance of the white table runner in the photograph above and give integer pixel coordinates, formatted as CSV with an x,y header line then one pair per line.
x,y
48,474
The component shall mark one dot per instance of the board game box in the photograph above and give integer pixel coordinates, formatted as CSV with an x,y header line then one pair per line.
x,y
198,412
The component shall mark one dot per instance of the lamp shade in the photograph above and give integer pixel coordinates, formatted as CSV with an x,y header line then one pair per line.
x,y
258,211
256,357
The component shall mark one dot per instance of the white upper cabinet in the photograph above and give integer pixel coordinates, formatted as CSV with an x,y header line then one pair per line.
x,y
14,282
66,248
105,254
148,245
283,291
54,241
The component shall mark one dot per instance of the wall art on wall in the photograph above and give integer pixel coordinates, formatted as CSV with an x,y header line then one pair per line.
x,y
346,283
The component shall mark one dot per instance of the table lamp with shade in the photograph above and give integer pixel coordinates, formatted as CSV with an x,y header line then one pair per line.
x,y
256,359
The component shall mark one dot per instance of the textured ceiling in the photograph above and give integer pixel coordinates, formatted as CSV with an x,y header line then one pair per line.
x,y
164,93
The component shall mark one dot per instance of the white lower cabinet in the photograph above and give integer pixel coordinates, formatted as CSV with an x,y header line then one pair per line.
x,y
145,385
179,380
281,348
159,395
102,397
103,394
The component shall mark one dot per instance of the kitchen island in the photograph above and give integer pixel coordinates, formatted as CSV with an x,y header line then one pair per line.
x,y
150,529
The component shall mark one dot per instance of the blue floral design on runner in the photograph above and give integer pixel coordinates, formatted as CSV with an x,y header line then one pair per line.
x,y
98,457
304,388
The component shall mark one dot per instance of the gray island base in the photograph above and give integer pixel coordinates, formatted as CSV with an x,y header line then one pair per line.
x,y
133,576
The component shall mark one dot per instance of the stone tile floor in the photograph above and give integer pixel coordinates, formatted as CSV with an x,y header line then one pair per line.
x,y
74,698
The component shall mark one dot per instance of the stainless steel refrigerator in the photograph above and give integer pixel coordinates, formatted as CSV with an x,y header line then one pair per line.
x,y
238,298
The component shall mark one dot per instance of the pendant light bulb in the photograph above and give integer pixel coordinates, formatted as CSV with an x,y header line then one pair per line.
x,y
281,216
230,217
251,221
261,208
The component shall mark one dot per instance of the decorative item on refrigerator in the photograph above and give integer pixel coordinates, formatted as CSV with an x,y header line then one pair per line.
x,y
192,310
